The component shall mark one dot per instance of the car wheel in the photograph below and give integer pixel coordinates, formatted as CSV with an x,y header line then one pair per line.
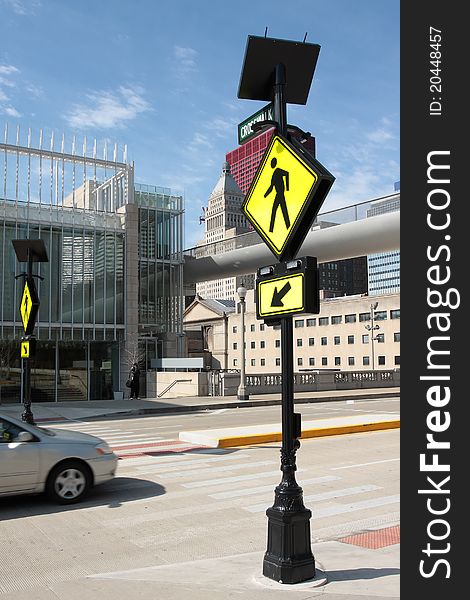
x,y
68,482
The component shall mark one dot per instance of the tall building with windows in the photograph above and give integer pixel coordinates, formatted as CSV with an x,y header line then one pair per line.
x,y
384,267
223,220
111,292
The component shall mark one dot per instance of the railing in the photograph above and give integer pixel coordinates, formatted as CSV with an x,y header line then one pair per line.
x,y
172,384
269,383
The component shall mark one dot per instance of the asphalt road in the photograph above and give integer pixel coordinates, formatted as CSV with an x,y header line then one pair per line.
x,y
169,507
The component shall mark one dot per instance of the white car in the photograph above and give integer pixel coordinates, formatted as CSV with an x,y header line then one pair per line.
x,y
64,464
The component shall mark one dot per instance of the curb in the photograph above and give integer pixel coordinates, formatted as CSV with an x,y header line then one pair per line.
x,y
222,439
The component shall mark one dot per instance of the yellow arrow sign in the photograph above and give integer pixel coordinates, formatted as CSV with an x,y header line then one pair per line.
x,y
25,349
279,193
280,295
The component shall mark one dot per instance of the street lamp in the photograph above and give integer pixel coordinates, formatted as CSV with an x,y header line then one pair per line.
x,y
242,395
372,328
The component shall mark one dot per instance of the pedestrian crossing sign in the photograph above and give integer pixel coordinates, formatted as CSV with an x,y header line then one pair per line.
x,y
285,196
29,306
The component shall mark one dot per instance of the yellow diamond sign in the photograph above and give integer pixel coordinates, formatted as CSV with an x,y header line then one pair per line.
x,y
29,306
285,195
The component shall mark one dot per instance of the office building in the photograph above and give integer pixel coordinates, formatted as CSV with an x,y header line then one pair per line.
x,y
384,267
111,292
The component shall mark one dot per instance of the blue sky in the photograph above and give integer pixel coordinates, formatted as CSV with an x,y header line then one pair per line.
x,y
162,77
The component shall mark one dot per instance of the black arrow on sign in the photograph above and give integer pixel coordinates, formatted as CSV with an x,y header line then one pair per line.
x,y
278,296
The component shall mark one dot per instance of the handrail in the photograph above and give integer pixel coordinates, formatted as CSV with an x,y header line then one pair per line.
x,y
171,385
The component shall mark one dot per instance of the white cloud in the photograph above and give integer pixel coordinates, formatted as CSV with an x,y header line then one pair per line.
x,y
105,109
185,59
22,7
11,112
8,69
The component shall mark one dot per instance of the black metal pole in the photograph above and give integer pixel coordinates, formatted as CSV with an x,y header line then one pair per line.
x,y
288,557
27,415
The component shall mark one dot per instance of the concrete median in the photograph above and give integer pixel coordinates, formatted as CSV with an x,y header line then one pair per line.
x,y
259,434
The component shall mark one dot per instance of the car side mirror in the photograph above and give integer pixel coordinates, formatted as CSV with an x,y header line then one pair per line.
x,y
24,436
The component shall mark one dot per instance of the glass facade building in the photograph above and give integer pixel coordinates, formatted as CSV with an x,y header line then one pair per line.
x,y
111,291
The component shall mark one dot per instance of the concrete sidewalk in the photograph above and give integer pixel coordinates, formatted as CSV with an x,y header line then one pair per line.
x,y
59,411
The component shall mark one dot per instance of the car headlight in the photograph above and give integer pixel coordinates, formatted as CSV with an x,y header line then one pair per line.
x,y
103,448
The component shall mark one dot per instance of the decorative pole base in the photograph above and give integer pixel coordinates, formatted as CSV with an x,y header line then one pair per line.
x,y
289,558
27,416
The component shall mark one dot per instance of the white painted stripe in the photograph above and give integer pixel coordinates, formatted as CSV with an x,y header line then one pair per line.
x,y
128,441
360,489
227,480
265,488
374,462
324,496
178,465
347,508
210,470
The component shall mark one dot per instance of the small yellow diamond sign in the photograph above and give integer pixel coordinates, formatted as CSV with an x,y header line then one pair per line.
x,y
29,306
25,349
281,295
285,195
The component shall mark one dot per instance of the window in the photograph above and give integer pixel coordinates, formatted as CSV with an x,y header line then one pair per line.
x,y
381,360
278,362
234,329
351,361
350,339
324,361
395,314
324,341
299,342
261,327
252,327
299,362
311,322
380,315
235,345
311,361
365,361
262,344
336,320
397,360
364,317
337,340
299,323
337,361
396,337
380,337
350,319
277,343
365,338
252,344
311,341
253,362
262,362
323,321
234,362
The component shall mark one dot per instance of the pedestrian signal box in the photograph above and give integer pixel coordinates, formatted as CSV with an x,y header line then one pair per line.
x,y
285,196
288,288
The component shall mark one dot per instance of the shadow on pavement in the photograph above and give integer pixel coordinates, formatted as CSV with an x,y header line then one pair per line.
x,y
110,495
356,574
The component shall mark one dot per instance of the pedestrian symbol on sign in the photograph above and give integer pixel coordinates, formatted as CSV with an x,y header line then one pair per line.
x,y
277,182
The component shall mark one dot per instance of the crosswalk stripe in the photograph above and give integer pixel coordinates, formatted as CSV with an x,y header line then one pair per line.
x,y
235,479
265,488
347,508
187,464
325,496
210,470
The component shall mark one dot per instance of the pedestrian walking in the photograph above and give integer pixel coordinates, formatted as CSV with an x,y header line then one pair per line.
x,y
134,376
